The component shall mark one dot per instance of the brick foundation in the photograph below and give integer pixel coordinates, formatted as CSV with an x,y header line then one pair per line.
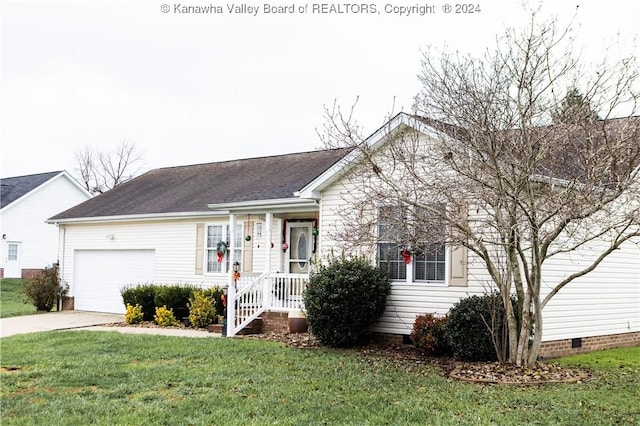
x,y
1,272
68,303
31,273
557,348
388,339
275,322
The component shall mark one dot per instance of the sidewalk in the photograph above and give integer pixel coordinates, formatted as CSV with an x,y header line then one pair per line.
x,y
79,320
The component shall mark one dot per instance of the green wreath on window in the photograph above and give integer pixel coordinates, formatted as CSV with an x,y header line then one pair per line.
x,y
221,249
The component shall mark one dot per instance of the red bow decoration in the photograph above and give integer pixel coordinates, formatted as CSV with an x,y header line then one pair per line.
x,y
406,254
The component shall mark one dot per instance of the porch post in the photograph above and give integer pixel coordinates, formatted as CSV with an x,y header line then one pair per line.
x,y
231,312
266,285
231,293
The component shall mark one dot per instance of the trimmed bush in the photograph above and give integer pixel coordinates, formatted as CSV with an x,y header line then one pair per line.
x,y
44,289
175,297
215,294
164,317
143,295
468,327
429,336
343,300
201,310
133,314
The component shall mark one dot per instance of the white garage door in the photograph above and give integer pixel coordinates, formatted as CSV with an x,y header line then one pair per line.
x,y
99,275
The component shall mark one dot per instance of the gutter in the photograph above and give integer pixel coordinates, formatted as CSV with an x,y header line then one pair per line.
x,y
136,217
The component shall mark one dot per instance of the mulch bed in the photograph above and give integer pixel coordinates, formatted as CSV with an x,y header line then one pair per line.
x,y
410,359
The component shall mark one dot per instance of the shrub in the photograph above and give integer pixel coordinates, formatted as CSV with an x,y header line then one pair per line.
x,y
164,317
201,310
468,331
44,289
143,295
215,294
133,315
428,335
343,300
175,297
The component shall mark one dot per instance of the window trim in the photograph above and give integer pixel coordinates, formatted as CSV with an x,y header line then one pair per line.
x,y
225,267
410,269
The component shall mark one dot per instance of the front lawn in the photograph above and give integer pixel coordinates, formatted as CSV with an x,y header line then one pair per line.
x,y
13,301
82,377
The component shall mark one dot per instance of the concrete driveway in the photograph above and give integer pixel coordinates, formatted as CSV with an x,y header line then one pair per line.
x,y
55,321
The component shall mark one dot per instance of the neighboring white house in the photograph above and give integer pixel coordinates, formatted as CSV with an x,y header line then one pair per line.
x,y
275,216
28,243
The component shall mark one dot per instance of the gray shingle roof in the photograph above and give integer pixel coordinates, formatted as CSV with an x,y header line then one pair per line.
x,y
192,188
13,188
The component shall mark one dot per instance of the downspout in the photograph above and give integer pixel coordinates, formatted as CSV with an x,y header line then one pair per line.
x,y
61,263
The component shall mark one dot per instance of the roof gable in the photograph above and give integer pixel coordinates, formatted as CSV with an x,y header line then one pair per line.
x,y
189,189
375,141
14,188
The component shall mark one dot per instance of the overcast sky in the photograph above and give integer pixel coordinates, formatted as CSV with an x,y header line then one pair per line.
x,y
190,88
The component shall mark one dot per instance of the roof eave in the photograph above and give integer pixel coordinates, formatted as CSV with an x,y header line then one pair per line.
x,y
133,217
278,205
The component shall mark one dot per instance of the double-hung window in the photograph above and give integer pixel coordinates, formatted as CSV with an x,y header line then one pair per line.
x,y
217,234
418,234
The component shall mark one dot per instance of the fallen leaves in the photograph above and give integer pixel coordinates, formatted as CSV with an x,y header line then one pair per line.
x,y
411,360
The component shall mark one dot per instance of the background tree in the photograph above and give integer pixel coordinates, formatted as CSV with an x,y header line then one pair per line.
x,y
100,171
574,109
505,174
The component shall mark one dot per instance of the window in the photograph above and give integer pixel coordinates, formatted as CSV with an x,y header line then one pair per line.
x,y
429,263
401,227
12,251
389,258
216,234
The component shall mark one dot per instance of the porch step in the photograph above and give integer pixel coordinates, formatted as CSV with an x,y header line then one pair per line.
x,y
255,327
214,328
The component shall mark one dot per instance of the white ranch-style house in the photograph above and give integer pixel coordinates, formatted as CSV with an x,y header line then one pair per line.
x,y
275,216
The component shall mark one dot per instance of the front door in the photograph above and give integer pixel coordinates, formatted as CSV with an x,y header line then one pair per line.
x,y
300,247
12,266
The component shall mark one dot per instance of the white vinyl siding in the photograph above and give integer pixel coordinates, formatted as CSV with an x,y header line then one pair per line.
x,y
174,242
606,301
24,220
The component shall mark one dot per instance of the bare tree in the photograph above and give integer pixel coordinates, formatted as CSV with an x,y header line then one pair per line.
x,y
100,171
492,172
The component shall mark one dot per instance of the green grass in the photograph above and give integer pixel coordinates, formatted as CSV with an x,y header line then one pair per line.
x,y
83,377
13,301
612,358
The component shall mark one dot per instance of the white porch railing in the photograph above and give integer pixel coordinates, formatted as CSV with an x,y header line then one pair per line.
x,y
287,290
254,295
